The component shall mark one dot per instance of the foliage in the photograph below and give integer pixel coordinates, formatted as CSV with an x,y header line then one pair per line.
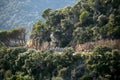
x,y
89,20
103,64
24,64
84,17
15,36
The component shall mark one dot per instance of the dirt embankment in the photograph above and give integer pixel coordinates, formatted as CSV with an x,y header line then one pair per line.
x,y
88,46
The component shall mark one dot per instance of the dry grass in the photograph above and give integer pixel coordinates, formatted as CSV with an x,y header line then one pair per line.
x,y
88,46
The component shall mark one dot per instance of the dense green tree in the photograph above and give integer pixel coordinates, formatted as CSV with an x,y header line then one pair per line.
x,y
4,37
13,37
46,13
84,17
103,64
7,61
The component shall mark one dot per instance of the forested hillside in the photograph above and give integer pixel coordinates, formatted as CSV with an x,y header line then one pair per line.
x,y
79,42
86,21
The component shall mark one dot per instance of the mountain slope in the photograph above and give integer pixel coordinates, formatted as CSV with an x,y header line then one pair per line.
x,y
25,12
